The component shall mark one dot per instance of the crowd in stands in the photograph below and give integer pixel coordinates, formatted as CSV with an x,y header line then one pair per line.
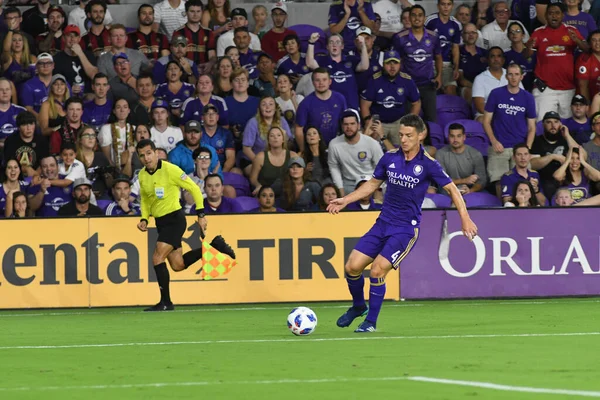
x,y
270,118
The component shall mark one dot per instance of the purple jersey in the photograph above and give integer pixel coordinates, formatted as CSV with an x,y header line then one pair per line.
x,y
418,57
18,74
512,177
375,65
96,115
192,109
389,97
249,61
8,120
24,186
343,76
581,132
580,192
322,114
337,13
159,71
222,140
227,206
243,111
448,32
114,209
54,199
583,21
527,64
510,114
287,66
407,184
33,93
175,100
472,65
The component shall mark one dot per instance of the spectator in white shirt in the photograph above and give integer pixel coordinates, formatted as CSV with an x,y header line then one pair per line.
x,y
239,18
495,33
488,80
161,133
169,15
390,12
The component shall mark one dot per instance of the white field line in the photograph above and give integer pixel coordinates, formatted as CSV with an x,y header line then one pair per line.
x,y
482,385
295,340
250,308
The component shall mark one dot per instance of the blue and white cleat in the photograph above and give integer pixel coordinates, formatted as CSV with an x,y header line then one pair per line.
x,y
365,327
349,316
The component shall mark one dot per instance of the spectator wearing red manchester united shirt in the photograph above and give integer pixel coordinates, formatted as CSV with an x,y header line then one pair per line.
x,y
588,68
555,44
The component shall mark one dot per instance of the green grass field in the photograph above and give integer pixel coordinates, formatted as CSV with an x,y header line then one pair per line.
x,y
423,350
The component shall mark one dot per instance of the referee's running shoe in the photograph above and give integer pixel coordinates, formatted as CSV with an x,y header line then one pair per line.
x,y
353,312
161,307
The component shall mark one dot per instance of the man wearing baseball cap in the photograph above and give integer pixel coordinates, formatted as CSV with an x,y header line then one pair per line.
x,y
387,96
52,40
121,190
76,64
579,124
181,155
549,151
272,41
219,138
80,206
178,54
239,18
35,91
124,84
162,133
375,58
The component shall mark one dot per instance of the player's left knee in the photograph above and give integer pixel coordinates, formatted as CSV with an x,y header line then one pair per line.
x,y
378,271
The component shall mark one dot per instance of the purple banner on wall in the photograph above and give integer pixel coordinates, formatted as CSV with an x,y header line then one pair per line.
x,y
518,253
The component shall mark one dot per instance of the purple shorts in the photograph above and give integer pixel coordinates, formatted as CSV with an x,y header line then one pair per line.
x,y
391,242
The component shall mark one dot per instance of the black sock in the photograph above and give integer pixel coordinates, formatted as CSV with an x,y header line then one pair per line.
x,y
192,256
162,275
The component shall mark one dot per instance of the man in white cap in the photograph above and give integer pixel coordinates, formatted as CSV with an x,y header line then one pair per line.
x,y
272,41
375,58
35,91
80,206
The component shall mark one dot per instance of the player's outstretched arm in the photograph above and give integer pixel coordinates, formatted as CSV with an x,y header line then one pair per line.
x,y
365,190
468,226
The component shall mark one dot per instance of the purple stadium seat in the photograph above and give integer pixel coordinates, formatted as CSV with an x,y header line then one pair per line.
x,y
239,182
440,200
482,199
476,136
451,108
247,203
304,31
436,133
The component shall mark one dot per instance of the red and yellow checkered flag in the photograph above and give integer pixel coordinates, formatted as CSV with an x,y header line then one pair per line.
x,y
215,264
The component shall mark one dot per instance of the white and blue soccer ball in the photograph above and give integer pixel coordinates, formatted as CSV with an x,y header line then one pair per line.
x,y
302,321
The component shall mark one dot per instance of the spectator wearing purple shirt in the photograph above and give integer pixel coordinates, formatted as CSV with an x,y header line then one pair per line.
x,y
388,95
473,61
321,109
421,59
515,55
245,106
121,190
97,111
521,171
448,30
266,201
248,58
8,111
375,59
294,63
192,107
35,91
342,68
346,16
174,91
509,119
215,202
579,124
583,21
44,199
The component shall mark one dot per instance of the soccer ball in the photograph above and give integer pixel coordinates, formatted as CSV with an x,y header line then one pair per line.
x,y
302,321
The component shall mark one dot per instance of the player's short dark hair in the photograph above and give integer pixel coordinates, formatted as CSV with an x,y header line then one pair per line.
x,y
193,3
68,146
25,118
456,126
99,75
199,150
287,38
496,48
417,7
413,121
72,100
213,176
88,6
145,143
12,10
320,70
145,5
519,146
241,29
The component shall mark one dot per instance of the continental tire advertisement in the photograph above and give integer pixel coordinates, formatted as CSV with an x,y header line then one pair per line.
x,y
98,262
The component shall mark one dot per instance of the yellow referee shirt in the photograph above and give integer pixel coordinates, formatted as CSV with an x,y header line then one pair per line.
x,y
160,191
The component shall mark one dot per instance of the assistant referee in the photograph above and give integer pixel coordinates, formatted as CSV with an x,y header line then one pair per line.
x,y
160,184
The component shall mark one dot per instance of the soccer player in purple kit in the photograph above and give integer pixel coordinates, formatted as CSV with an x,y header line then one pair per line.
x,y
408,173
421,59
448,30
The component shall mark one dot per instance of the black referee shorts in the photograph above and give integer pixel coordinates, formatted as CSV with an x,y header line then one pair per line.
x,y
171,228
